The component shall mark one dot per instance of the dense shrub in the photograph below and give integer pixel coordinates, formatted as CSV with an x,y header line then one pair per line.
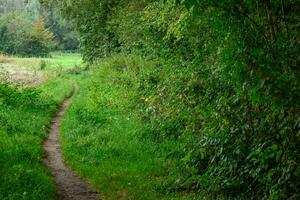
x,y
225,87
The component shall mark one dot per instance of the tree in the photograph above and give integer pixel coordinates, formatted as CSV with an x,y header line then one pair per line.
x,y
17,19
40,41
65,35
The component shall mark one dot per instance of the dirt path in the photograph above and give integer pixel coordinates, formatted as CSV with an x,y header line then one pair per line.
x,y
69,186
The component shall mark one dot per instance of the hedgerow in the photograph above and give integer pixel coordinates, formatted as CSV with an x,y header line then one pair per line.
x,y
225,86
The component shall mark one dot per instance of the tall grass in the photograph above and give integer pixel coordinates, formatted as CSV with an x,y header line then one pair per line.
x,y
3,59
105,140
24,117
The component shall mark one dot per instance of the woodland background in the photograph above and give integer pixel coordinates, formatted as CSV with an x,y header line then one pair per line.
x,y
27,29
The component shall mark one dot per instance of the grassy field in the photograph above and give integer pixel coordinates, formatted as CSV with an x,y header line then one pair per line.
x,y
57,61
24,117
34,71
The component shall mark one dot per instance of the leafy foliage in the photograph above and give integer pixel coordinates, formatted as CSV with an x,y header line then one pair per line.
x,y
20,37
65,36
20,34
40,42
225,86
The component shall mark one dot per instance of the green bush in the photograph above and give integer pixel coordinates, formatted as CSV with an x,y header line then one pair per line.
x,y
43,64
225,87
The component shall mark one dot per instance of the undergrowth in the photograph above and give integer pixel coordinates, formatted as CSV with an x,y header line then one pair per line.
x,y
105,140
140,131
222,87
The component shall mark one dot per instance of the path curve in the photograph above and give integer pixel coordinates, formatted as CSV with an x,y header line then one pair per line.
x,y
69,186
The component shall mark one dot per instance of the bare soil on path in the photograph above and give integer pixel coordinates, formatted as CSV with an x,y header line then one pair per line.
x,y
69,186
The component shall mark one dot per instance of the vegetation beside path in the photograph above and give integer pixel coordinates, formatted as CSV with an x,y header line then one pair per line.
x,y
25,114
105,138
224,87
24,117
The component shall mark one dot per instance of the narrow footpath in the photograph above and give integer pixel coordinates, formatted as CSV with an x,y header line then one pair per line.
x,y
69,186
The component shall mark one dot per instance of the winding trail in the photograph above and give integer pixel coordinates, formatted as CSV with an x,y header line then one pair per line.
x,y
69,186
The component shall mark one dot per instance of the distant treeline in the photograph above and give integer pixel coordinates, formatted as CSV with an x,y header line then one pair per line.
x,y
28,29
226,86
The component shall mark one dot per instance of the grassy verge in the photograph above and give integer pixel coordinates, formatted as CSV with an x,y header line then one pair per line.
x,y
57,61
24,117
105,140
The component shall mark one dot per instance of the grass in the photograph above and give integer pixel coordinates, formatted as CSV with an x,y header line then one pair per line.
x,y
66,60
24,117
103,137
3,59
57,61
32,71
105,140
23,128
100,141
